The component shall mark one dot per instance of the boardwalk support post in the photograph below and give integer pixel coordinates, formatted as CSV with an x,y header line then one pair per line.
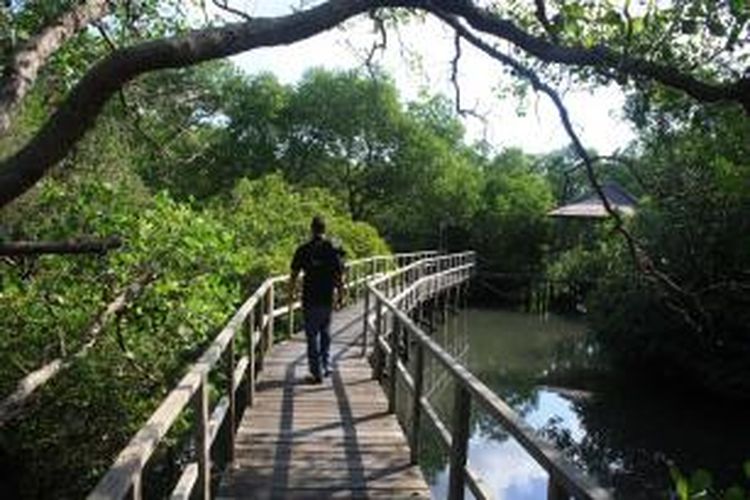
x,y
202,442
459,442
379,354
269,312
250,329
392,361
416,409
366,322
232,416
291,307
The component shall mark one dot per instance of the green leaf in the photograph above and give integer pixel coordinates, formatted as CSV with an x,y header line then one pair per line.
x,y
683,490
746,467
700,481
734,493
737,7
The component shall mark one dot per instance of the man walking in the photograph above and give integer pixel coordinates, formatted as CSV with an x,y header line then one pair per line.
x,y
324,269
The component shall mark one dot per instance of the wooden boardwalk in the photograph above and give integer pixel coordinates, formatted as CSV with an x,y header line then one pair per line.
x,y
335,440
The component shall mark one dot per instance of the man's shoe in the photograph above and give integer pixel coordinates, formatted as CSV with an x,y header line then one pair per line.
x,y
327,372
314,379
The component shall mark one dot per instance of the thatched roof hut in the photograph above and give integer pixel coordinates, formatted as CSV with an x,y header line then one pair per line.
x,y
590,206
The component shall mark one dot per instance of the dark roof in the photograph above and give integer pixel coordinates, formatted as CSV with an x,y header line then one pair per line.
x,y
591,206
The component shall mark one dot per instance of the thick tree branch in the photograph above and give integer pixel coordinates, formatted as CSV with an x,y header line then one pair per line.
x,y
14,404
19,75
73,246
600,57
77,113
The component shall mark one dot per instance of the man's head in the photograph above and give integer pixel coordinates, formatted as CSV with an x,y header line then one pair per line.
x,y
318,226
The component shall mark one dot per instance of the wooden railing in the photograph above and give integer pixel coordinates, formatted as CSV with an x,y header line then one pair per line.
x,y
389,301
252,325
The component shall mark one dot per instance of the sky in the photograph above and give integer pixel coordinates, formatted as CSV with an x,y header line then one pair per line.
x,y
419,59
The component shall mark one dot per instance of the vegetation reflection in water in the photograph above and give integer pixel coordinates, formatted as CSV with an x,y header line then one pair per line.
x,y
624,432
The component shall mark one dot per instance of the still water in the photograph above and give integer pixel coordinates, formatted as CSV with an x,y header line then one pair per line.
x,y
623,432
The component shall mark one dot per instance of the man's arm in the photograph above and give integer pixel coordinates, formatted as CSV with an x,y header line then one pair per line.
x,y
295,268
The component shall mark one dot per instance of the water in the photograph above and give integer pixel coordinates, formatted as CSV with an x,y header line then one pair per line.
x,y
623,432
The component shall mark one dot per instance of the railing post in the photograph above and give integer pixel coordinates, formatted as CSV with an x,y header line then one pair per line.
x,y
270,308
232,402
378,368
555,491
136,489
366,324
459,441
202,445
262,338
416,411
291,308
392,365
250,325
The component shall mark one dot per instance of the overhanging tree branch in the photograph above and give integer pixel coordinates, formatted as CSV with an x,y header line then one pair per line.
x,y
600,56
78,111
680,300
72,246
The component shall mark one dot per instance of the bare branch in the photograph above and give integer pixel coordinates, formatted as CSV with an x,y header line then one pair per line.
x,y
224,5
14,404
541,15
380,44
599,57
682,301
465,112
73,246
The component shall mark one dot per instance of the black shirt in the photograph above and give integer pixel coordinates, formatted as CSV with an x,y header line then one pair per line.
x,y
323,267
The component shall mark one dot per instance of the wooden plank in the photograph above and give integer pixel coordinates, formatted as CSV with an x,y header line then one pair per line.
x,y
188,478
335,440
203,439
217,418
117,481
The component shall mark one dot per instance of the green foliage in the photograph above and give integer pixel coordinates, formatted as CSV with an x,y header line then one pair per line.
x,y
700,485
205,260
512,228
693,224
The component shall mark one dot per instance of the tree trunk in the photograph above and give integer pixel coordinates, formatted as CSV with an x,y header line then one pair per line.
x,y
21,72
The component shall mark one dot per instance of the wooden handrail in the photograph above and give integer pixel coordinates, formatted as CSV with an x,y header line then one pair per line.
x,y
257,315
396,302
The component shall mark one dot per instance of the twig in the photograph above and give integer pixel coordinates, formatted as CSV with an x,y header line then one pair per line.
x,y
224,5
541,15
457,87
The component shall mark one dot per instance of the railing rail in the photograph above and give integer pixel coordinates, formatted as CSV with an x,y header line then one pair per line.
x,y
256,319
390,298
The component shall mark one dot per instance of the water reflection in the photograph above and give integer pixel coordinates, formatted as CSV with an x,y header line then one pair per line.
x,y
621,431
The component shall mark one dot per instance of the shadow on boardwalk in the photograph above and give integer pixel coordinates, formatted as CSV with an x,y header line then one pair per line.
x,y
335,440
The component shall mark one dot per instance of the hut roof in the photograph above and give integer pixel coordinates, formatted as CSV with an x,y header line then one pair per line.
x,y
589,206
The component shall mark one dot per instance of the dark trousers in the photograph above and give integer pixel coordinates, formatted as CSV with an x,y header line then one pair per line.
x,y
318,331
